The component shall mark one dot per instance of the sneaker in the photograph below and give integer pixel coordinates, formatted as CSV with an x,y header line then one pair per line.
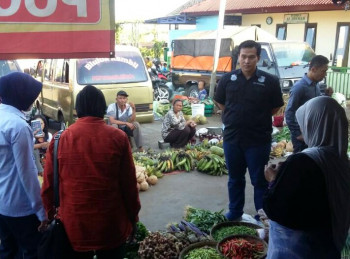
x,y
231,217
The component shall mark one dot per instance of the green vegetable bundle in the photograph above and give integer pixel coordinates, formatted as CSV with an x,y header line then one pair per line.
x,y
233,230
283,134
204,219
203,253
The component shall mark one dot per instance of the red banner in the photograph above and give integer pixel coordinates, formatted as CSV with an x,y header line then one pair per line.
x,y
56,28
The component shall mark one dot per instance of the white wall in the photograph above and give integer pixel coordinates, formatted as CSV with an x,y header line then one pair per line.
x,y
326,27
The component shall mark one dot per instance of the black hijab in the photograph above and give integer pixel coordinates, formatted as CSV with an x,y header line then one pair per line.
x,y
90,102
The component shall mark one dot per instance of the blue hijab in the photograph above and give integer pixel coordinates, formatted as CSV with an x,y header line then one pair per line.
x,y
19,90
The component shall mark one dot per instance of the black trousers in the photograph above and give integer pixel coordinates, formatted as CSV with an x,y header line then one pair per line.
x,y
117,253
179,138
19,237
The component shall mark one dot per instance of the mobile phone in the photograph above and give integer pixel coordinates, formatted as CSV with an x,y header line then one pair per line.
x,y
36,125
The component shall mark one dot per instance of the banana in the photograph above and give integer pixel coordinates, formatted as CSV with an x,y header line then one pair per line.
x,y
207,166
181,162
168,167
186,166
163,167
188,163
200,163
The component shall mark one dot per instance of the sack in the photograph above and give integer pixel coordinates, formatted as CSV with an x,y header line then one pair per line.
x,y
127,130
54,243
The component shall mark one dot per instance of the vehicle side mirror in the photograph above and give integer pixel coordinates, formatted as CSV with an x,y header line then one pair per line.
x,y
267,63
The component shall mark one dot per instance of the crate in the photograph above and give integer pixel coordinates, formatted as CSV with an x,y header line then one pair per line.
x,y
208,110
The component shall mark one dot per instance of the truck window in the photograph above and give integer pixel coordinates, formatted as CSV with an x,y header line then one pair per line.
x,y
292,53
126,67
263,56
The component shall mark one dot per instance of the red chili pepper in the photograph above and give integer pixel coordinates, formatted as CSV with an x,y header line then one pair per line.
x,y
241,248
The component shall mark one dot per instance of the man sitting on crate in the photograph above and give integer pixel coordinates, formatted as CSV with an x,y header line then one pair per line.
x,y
122,114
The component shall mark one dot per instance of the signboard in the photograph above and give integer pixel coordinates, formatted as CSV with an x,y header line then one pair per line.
x,y
56,29
296,18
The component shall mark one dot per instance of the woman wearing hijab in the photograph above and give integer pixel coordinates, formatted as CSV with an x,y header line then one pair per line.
x,y
98,189
308,198
21,208
175,129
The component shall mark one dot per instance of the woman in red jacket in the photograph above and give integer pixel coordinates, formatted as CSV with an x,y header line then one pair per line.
x,y
99,202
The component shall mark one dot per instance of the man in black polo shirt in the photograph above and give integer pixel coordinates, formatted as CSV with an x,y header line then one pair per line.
x,y
248,98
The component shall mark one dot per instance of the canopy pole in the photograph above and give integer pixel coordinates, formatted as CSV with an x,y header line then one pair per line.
x,y
217,47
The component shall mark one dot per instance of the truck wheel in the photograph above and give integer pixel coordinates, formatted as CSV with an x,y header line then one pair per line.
x,y
193,91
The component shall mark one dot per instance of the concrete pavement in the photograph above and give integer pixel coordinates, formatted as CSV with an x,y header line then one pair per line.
x,y
165,202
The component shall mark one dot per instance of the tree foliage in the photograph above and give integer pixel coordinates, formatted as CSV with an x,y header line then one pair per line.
x,y
118,31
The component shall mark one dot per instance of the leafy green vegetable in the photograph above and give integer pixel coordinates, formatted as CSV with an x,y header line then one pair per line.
x,y
233,230
203,253
141,232
204,219
131,249
283,134
163,108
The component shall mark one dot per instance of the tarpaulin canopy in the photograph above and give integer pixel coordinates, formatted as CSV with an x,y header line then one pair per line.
x,y
202,43
56,29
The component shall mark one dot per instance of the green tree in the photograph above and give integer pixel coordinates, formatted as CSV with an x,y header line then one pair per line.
x,y
118,31
158,48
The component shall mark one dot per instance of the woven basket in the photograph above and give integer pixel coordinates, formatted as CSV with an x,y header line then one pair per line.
x,y
231,224
246,237
201,244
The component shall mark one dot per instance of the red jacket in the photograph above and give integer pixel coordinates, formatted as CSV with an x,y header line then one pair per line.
x,y
98,190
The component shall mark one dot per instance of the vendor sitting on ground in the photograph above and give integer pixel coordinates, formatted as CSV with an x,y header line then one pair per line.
x,y
122,115
175,129
202,92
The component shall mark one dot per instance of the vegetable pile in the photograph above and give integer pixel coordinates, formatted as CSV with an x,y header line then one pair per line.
x,y
233,230
187,231
161,245
205,252
131,249
241,248
204,219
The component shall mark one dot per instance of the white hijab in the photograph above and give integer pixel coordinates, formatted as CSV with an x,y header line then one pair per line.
x,y
324,126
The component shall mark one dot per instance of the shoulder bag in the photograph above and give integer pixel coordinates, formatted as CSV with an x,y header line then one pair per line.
x,y
54,243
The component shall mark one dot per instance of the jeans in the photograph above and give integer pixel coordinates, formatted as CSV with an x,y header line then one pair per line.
x,y
19,237
288,243
237,160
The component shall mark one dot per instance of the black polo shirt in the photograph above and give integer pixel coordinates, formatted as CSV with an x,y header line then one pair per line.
x,y
248,105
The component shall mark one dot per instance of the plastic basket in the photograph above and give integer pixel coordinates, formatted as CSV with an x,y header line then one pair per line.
x,y
208,110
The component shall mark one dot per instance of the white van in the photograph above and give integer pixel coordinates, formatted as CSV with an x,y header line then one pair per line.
x,y
64,78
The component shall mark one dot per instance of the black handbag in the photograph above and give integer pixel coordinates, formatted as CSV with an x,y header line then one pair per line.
x,y
54,243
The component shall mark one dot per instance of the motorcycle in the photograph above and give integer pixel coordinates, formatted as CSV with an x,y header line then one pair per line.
x,y
160,90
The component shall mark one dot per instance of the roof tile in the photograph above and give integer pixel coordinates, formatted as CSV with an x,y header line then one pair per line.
x,y
212,6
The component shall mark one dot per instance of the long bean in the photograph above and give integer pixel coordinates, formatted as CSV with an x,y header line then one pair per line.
x,y
233,230
203,253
